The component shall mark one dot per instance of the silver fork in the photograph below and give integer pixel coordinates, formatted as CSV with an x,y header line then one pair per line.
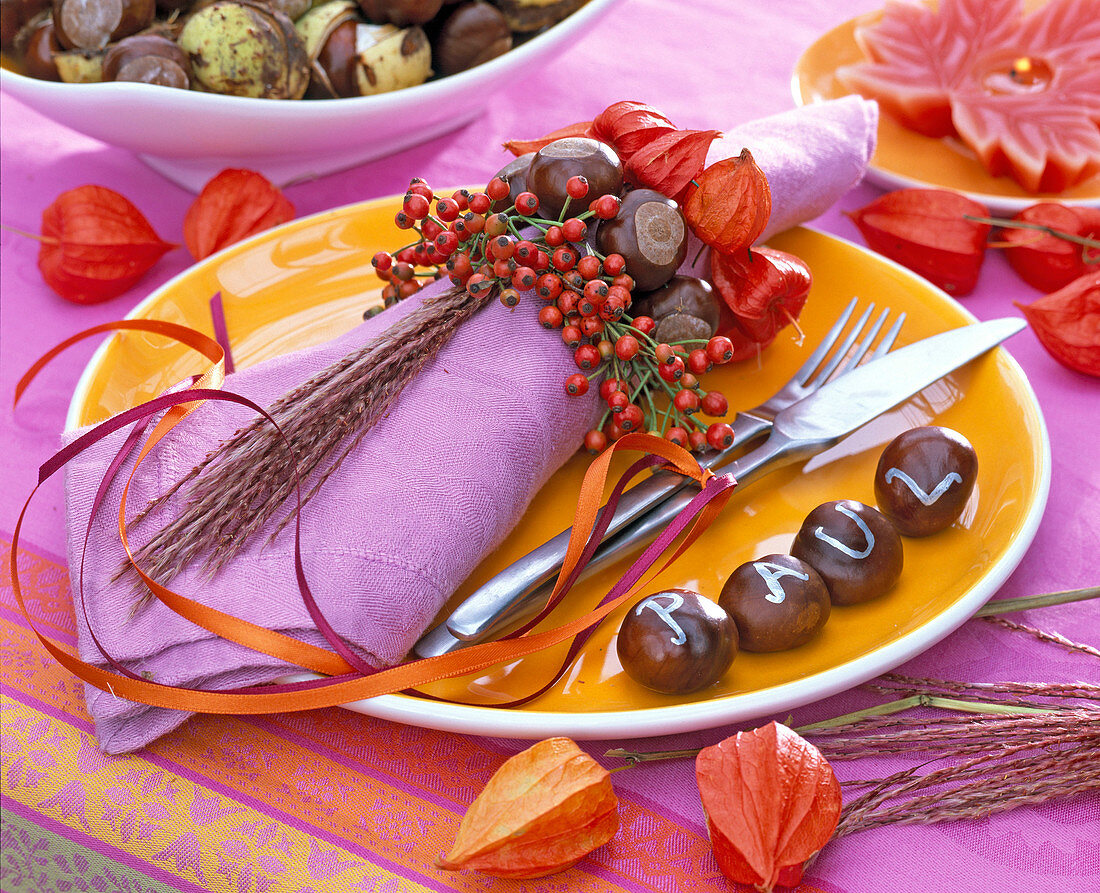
x,y
486,612
813,373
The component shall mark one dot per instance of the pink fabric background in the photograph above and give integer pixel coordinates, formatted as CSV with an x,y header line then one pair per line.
x,y
714,61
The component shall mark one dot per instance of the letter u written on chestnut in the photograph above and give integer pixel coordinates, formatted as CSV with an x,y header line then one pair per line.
x,y
855,548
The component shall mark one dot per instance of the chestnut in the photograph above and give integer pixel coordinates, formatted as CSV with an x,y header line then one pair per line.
x,y
514,173
679,327
681,294
292,9
245,48
400,12
853,547
556,162
14,14
351,57
37,45
924,478
650,233
337,59
92,24
528,16
148,59
778,602
474,33
676,642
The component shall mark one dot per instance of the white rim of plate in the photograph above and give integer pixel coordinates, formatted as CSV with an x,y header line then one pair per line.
x,y
675,718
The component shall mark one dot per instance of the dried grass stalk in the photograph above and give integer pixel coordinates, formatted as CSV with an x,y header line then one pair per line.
x,y
245,482
1043,635
1060,763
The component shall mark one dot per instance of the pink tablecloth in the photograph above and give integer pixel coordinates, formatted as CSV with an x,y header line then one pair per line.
x,y
710,61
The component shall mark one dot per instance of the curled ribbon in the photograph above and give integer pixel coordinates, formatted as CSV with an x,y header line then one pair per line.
x,y
345,676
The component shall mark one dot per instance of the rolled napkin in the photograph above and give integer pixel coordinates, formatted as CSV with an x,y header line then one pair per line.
x,y
431,490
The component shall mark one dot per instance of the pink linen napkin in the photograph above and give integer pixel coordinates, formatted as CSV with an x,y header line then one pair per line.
x,y
415,507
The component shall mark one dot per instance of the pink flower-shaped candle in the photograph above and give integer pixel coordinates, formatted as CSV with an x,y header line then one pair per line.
x,y
1022,91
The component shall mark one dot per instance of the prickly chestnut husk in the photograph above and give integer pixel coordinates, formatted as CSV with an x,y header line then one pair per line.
x,y
351,57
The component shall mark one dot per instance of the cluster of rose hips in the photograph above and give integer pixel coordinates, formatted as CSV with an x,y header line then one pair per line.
x,y
492,240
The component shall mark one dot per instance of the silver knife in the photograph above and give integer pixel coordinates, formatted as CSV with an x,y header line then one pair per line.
x,y
804,429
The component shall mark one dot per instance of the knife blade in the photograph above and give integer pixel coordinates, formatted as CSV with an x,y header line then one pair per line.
x,y
804,429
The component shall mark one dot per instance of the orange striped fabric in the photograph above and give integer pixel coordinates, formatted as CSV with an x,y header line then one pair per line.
x,y
324,800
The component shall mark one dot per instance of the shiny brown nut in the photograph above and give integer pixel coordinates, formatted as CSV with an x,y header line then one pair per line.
x,y
676,642
556,162
37,45
400,12
292,9
650,233
526,16
681,294
11,20
514,173
351,57
335,59
924,478
245,48
14,14
777,602
147,59
92,24
853,547
329,34
677,327
474,33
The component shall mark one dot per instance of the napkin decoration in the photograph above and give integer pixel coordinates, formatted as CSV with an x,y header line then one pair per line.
x,y
415,505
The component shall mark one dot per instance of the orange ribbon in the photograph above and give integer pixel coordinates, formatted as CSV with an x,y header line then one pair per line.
x,y
348,685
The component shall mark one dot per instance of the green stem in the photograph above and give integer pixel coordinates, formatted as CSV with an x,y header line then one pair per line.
x,y
925,700
35,236
1043,228
1027,603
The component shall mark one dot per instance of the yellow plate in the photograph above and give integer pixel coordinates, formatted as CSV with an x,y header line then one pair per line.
x,y
905,158
309,280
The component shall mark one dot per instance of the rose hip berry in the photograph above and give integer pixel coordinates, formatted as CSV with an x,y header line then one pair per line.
x,y
576,385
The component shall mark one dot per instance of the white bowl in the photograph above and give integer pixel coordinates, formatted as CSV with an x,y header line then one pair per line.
x,y
190,136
